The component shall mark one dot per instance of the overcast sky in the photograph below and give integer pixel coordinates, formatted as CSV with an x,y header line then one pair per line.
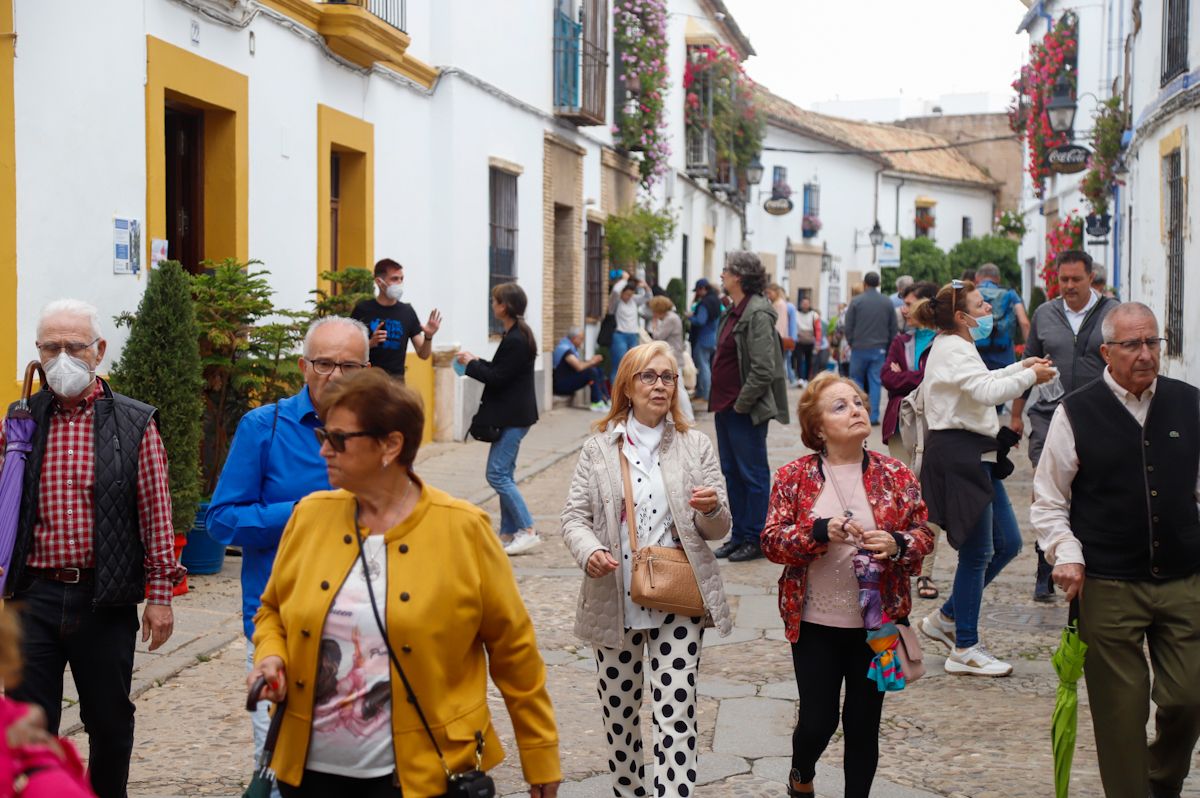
x,y
815,50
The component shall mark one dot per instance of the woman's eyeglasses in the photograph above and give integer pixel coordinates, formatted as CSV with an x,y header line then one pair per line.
x,y
337,440
651,377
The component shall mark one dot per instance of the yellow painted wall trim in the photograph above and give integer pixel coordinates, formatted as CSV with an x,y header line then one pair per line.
x,y
1166,145
925,202
305,12
697,35
222,94
415,70
359,36
8,208
506,166
418,375
355,138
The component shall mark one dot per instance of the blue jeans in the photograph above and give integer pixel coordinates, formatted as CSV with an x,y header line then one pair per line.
x,y
501,465
866,366
622,343
743,449
702,356
992,544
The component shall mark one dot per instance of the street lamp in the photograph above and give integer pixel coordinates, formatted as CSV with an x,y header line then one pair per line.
x,y
1061,108
826,259
754,172
876,234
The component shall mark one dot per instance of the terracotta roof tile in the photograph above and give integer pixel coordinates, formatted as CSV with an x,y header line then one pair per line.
x,y
949,164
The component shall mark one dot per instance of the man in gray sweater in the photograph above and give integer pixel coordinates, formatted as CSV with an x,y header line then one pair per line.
x,y
870,328
1066,330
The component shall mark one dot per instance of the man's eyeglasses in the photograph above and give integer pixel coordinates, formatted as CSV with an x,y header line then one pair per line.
x,y
337,440
1134,345
651,377
71,348
326,367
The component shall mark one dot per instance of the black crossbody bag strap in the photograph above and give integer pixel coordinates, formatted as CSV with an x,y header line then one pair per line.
x,y
412,696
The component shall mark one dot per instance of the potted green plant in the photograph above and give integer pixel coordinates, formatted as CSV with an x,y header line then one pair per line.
x,y
638,235
160,365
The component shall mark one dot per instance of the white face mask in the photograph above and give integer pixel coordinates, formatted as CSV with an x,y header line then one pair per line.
x,y
395,291
68,376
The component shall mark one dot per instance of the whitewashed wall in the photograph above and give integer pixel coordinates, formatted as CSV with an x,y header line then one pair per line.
x,y
1144,197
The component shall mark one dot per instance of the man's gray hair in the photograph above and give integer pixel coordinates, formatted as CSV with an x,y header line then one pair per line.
x,y
71,307
902,282
1108,327
747,267
341,321
1099,275
988,270
574,332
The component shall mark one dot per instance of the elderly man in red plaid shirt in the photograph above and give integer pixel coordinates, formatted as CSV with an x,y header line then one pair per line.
x,y
94,538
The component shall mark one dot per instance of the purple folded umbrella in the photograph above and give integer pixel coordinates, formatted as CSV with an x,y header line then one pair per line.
x,y
19,428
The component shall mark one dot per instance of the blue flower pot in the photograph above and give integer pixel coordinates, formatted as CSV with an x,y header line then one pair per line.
x,y
202,554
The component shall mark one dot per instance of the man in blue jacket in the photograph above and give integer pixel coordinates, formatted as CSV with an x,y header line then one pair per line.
x,y
273,462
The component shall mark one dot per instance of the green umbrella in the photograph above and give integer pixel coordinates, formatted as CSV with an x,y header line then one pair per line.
x,y
1068,663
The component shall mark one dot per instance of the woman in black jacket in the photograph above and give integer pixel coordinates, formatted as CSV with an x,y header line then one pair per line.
x,y
507,411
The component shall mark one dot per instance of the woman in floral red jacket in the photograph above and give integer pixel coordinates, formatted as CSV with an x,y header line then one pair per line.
x,y
831,513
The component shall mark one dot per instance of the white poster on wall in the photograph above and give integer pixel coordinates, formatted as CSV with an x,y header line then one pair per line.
x,y
889,252
127,245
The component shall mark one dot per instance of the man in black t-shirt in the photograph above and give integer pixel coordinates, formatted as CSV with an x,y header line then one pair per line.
x,y
393,323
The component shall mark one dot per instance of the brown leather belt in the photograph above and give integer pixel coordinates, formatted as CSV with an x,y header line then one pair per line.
x,y
70,576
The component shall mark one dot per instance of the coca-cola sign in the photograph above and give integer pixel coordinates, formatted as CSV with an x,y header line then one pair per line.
x,y
1068,159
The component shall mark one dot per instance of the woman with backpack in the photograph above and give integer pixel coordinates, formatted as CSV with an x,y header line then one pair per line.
x,y
961,471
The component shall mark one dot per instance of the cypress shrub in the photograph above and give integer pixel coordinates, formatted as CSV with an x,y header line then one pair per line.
x,y
160,365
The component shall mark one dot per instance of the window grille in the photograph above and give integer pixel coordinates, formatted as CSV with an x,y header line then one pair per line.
x,y
595,296
1175,39
502,248
581,61
966,227
1173,171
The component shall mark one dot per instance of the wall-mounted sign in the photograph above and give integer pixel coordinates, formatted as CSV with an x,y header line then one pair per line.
x,y
778,206
889,252
1068,159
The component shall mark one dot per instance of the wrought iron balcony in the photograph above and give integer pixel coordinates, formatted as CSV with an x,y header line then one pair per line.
x,y
393,12
581,63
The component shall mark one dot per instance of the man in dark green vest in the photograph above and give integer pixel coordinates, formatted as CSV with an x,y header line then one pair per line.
x,y
1115,507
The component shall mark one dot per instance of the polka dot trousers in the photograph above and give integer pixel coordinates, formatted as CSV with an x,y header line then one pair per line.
x,y
673,650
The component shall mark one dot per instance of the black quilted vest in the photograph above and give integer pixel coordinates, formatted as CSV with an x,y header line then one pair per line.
x,y
1133,501
119,425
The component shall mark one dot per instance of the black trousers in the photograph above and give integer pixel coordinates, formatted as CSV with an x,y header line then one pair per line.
x,y
327,785
60,627
824,657
802,361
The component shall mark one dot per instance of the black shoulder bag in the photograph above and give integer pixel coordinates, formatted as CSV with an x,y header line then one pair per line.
x,y
472,783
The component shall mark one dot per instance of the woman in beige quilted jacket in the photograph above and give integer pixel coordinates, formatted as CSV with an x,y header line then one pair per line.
x,y
680,501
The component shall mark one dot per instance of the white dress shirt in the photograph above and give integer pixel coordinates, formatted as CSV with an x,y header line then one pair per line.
x,y
1075,319
1051,510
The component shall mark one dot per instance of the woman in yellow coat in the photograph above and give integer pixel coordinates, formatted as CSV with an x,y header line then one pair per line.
x,y
446,595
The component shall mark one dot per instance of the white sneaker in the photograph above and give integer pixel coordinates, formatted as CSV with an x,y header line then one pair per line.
x,y
599,407
975,661
938,627
524,541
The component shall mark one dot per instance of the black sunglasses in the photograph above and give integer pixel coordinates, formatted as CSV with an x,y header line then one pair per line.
x,y
337,440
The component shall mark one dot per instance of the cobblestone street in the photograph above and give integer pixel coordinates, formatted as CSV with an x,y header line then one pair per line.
x,y
982,738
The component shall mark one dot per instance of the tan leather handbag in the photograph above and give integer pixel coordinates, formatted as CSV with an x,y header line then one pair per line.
x,y
662,577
